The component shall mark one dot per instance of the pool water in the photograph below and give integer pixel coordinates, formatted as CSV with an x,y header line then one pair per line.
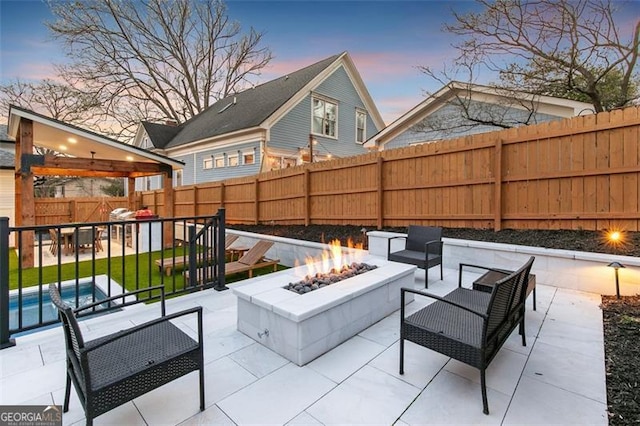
x,y
31,300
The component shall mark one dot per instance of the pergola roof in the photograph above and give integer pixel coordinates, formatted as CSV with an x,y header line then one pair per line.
x,y
86,154
76,142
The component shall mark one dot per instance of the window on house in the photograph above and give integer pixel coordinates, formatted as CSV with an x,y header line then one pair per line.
x,y
207,163
288,162
248,158
361,126
276,163
233,160
178,178
148,183
219,162
325,117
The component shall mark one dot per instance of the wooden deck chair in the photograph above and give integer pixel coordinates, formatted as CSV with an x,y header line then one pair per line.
x,y
169,263
252,259
53,248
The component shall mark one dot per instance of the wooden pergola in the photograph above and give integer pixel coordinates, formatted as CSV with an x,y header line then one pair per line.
x,y
86,154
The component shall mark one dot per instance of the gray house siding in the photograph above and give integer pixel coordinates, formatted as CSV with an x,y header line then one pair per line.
x,y
188,171
195,172
451,117
292,131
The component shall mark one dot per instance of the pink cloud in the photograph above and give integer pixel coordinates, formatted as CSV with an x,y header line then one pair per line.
x,y
383,66
392,107
35,71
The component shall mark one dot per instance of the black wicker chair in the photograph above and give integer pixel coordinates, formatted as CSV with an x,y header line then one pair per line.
x,y
423,248
112,370
468,325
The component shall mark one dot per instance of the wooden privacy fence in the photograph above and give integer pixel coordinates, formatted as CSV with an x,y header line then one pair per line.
x,y
579,173
53,211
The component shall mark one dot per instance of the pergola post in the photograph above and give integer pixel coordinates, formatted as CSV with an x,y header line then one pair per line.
x,y
168,207
25,203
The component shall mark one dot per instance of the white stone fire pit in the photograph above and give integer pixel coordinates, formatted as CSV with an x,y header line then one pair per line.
x,y
303,327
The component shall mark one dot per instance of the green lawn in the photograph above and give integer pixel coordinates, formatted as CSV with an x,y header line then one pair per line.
x,y
122,270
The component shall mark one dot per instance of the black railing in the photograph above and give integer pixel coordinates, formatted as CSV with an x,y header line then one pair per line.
x,y
92,261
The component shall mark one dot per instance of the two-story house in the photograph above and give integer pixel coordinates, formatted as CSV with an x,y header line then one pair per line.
x,y
318,112
460,109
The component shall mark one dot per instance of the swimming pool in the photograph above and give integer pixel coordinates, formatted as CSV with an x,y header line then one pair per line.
x,y
31,302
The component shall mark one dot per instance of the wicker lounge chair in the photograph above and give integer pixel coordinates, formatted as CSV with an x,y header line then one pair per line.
x,y
112,370
468,325
423,248
168,264
252,259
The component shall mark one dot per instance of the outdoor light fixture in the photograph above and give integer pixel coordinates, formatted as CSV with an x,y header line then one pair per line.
x,y
616,266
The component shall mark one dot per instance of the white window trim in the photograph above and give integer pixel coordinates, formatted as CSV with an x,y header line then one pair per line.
x,y
204,163
253,153
332,101
215,161
364,129
229,157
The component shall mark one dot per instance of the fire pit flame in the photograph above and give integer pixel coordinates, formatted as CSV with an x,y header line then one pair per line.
x,y
334,266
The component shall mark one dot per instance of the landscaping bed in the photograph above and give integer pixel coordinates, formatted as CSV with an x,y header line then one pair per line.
x,y
590,241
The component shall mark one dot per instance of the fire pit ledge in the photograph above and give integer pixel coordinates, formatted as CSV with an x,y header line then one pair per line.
x,y
301,327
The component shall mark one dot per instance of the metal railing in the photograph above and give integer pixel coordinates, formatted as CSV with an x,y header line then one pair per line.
x,y
92,261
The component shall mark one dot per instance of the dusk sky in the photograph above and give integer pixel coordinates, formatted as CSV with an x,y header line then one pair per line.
x,y
386,39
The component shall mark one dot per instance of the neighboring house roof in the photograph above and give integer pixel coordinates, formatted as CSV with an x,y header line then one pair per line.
x,y
253,108
7,158
559,107
4,135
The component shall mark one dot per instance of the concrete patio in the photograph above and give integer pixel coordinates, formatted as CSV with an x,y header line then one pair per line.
x,y
558,378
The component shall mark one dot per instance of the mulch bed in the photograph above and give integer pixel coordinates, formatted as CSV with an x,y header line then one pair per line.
x,y
622,355
591,241
621,317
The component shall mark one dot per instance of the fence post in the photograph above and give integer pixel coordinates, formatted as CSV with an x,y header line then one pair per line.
x,y
497,187
379,177
256,203
5,340
307,197
220,279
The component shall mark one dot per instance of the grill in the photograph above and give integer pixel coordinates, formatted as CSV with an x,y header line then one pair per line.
x,y
114,215
135,235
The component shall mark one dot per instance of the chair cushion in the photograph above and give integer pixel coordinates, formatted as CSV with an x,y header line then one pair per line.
x,y
136,352
448,321
414,257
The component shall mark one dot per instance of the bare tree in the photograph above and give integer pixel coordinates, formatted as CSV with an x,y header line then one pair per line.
x,y
576,49
56,100
156,59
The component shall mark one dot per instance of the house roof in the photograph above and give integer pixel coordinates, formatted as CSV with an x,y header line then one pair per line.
x,y
160,134
4,137
253,108
51,134
7,158
246,109
560,107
